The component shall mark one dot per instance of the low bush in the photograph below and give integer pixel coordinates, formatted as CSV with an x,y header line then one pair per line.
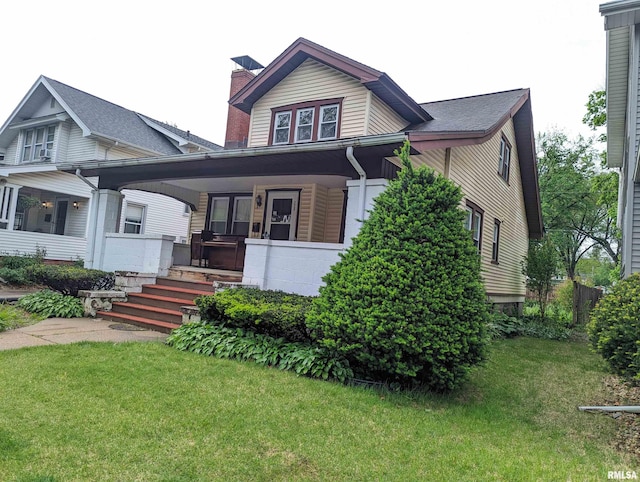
x,y
50,304
267,312
614,328
235,343
20,261
501,325
15,277
68,279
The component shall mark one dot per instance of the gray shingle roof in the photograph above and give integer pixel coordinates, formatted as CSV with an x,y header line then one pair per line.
x,y
109,120
478,113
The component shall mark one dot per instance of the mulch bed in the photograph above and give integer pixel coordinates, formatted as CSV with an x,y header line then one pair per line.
x,y
621,393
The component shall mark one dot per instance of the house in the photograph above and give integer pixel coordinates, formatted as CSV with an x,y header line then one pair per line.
x,y
310,143
621,22
42,207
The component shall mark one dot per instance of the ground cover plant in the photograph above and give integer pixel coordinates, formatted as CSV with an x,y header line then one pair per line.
x,y
51,304
13,317
97,412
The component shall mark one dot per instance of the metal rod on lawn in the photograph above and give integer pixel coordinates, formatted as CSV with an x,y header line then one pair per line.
x,y
613,408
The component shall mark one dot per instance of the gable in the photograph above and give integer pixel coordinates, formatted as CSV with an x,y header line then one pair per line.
x,y
362,113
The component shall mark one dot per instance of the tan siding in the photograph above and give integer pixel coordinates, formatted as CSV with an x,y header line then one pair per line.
x,y
319,213
382,119
435,159
304,208
311,81
335,203
198,217
475,169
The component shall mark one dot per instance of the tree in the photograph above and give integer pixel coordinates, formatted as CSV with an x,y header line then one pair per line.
x,y
406,301
569,208
596,115
540,266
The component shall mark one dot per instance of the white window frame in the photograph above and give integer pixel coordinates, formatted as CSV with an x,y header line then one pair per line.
x,y
234,219
299,112
276,128
473,223
46,144
505,159
212,210
128,222
495,247
321,122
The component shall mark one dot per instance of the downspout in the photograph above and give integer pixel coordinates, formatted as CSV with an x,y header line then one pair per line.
x,y
93,224
363,182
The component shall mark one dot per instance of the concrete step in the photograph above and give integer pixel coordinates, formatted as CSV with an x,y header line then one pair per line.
x,y
146,311
150,324
187,284
192,273
174,291
167,302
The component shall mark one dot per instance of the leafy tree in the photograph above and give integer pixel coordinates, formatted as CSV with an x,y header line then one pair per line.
x,y
540,266
406,300
596,116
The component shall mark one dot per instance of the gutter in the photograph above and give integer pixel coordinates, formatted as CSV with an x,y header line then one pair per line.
x,y
363,182
612,408
86,181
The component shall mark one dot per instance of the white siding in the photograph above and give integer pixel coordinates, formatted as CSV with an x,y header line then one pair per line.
x,y
164,215
635,233
59,182
312,81
66,248
80,148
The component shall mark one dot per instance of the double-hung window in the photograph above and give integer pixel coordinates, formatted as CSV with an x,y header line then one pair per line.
x,y
38,143
306,122
134,218
229,213
473,223
505,159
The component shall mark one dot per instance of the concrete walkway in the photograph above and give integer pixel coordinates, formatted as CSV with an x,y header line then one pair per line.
x,y
55,331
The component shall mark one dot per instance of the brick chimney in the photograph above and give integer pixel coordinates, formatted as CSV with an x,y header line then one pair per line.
x,y
237,121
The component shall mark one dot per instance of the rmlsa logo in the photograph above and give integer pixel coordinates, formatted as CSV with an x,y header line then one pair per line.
x,y
622,475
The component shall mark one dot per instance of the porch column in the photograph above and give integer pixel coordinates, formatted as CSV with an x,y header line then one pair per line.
x,y
352,224
8,204
104,218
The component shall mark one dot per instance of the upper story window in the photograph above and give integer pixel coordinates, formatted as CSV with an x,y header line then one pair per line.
x,y
38,143
473,223
505,159
495,249
306,122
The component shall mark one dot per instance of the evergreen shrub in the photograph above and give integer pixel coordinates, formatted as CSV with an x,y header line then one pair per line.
x,y
614,327
68,279
406,301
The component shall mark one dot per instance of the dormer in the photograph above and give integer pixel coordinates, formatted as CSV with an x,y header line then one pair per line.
x,y
312,94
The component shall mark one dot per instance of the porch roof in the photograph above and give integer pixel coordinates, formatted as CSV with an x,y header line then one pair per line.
x,y
326,158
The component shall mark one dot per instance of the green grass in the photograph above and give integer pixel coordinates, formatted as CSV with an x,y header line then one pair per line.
x,y
12,317
147,412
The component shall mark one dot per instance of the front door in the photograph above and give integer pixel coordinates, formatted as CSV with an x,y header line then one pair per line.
x,y
282,215
60,216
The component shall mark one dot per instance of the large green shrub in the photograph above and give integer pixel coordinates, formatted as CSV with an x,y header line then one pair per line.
x,y
50,304
269,312
614,328
406,301
68,279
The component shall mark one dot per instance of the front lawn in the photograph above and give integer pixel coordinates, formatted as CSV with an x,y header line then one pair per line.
x,y
148,412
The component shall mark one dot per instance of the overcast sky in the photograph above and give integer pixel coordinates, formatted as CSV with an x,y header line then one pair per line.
x,y
170,59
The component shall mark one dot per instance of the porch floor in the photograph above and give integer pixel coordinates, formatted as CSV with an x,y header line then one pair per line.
x,y
195,273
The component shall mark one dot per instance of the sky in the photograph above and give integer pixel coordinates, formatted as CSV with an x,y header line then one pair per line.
x,y
170,60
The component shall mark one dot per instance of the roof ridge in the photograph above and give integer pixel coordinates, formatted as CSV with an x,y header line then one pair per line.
x,y
87,93
474,96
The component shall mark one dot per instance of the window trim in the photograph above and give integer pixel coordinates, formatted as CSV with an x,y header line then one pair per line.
x,y
317,106
49,130
230,196
495,244
142,217
476,212
505,146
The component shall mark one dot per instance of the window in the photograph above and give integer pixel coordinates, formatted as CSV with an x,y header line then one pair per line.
x,y
474,223
38,143
229,213
496,241
505,159
314,121
134,217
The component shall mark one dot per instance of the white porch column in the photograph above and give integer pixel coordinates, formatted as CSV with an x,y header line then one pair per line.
x,y
104,218
8,204
352,224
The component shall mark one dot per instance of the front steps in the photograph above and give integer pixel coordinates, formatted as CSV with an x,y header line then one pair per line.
x,y
157,307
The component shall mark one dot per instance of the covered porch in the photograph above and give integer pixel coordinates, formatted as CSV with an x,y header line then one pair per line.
x,y
279,215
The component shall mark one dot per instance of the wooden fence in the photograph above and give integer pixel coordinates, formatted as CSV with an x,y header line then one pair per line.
x,y
584,299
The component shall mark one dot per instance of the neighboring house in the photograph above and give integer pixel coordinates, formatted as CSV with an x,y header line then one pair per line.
x,y
622,25
310,142
41,207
